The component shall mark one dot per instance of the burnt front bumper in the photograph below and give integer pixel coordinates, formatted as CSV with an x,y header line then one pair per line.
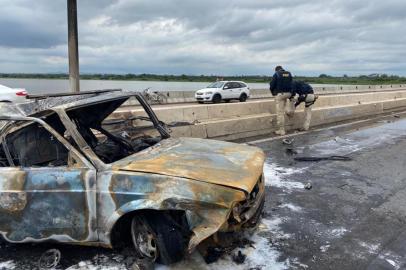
x,y
243,214
248,213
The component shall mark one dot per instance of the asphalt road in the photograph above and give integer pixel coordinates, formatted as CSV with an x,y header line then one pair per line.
x,y
353,217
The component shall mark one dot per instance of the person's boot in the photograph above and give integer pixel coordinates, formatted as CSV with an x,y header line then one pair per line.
x,y
280,132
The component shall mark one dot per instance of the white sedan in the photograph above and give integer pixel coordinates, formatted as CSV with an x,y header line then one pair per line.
x,y
15,95
223,90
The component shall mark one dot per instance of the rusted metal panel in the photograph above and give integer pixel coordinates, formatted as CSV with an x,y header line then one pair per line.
x,y
222,163
38,204
124,192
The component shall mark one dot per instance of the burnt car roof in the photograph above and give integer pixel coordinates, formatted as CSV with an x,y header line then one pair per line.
x,y
38,105
44,105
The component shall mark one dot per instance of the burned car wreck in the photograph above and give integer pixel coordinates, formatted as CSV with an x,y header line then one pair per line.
x,y
72,173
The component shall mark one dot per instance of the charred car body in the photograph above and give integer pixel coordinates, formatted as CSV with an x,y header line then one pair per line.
x,y
71,174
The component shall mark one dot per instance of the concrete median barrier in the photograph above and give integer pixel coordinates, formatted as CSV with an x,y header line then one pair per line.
x,y
176,97
230,121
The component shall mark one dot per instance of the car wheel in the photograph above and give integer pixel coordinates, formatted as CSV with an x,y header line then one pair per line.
x,y
216,98
200,102
243,97
156,238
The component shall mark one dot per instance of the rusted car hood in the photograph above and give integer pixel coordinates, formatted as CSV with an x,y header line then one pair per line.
x,y
228,164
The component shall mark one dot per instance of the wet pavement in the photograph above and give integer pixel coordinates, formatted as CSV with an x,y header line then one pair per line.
x,y
353,217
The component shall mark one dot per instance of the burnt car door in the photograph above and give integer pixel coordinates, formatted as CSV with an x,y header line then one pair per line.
x,y
47,189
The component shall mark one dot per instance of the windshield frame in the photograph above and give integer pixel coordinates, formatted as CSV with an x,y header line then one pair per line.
x,y
85,147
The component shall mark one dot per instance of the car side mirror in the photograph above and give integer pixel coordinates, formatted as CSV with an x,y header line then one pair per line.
x,y
225,87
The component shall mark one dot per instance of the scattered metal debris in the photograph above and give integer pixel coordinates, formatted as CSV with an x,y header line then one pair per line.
x,y
308,186
143,264
343,185
288,141
291,151
239,258
49,259
214,253
334,158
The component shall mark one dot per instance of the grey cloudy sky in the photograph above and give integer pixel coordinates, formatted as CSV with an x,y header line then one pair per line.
x,y
226,37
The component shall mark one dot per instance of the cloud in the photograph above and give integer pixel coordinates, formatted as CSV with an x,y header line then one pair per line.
x,y
207,37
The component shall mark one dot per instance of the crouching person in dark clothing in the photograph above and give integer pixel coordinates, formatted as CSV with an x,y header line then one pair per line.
x,y
303,92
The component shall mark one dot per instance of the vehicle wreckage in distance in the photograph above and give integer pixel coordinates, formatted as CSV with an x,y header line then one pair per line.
x,y
71,174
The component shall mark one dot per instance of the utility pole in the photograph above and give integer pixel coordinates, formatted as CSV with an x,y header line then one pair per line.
x,y
74,79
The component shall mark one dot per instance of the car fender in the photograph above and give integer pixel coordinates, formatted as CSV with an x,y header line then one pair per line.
x,y
203,222
207,206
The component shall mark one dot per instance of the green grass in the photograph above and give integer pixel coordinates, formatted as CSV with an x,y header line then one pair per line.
x,y
322,79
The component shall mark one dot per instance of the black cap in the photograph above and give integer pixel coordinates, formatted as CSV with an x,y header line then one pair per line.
x,y
278,68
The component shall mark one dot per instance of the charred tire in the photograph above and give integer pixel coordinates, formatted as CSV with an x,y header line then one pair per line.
x,y
216,98
157,238
243,97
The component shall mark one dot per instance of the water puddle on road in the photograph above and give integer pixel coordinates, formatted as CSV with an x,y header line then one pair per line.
x,y
358,140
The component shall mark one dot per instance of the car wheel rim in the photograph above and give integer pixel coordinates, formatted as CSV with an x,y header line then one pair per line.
x,y
144,240
146,244
50,259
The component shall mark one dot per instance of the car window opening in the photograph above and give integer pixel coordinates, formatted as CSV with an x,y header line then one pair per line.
x,y
32,146
112,139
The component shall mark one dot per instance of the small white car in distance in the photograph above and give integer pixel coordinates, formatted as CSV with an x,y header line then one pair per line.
x,y
15,95
223,90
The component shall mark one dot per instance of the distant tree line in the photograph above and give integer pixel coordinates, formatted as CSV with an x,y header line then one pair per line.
x,y
321,79
362,79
